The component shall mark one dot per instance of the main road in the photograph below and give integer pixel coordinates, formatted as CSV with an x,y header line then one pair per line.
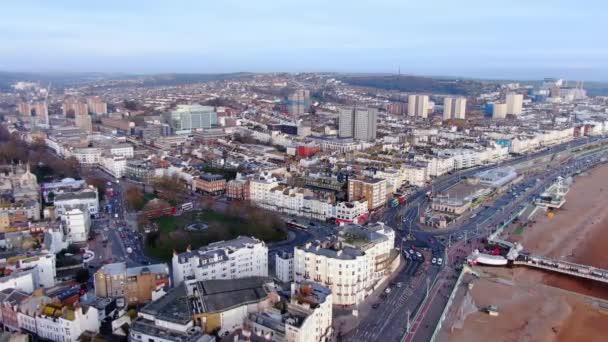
x,y
390,322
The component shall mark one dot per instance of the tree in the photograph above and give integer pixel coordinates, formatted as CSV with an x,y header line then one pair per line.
x,y
97,182
135,198
170,188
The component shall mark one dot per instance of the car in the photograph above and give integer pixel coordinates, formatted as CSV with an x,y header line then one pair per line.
x,y
399,284
433,261
387,290
375,305
439,261
419,255
412,251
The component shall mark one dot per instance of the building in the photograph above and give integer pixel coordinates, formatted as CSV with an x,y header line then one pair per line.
x,y
114,165
74,107
210,184
137,285
232,259
65,323
24,108
418,105
284,266
168,319
307,316
50,190
188,311
84,122
358,123
96,105
499,110
24,281
346,123
187,118
351,263
87,199
454,108
42,265
514,103
238,189
373,190
41,113
351,212
77,224
298,102
260,186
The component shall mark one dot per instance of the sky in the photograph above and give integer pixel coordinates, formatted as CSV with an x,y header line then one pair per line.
x,y
508,39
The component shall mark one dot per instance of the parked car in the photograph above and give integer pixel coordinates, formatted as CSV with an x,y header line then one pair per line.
x,y
433,261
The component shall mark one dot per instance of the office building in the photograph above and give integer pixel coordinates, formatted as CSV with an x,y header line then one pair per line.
x,y
237,258
357,123
298,103
418,105
373,190
350,263
137,285
454,108
84,122
186,118
499,110
96,105
514,104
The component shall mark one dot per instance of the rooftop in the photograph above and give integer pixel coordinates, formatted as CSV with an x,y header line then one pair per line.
x,y
221,295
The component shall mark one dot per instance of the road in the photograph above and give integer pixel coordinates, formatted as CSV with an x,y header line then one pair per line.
x,y
405,220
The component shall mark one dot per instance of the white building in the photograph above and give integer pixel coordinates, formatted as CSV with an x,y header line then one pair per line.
x,y
237,258
42,265
351,212
122,150
87,155
307,318
260,186
77,224
415,173
454,107
284,266
418,105
22,280
66,324
499,110
514,104
87,199
350,264
115,165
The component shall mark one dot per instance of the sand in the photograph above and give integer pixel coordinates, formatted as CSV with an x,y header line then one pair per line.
x,y
527,312
540,306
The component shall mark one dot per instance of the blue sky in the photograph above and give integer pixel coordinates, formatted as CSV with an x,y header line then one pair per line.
x,y
504,39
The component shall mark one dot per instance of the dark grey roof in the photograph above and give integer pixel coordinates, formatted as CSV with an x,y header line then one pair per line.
x,y
221,295
172,307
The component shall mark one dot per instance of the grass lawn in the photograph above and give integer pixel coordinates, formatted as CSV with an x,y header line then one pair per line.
x,y
173,236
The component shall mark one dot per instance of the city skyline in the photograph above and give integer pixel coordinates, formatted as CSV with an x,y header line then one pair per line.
x,y
518,40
